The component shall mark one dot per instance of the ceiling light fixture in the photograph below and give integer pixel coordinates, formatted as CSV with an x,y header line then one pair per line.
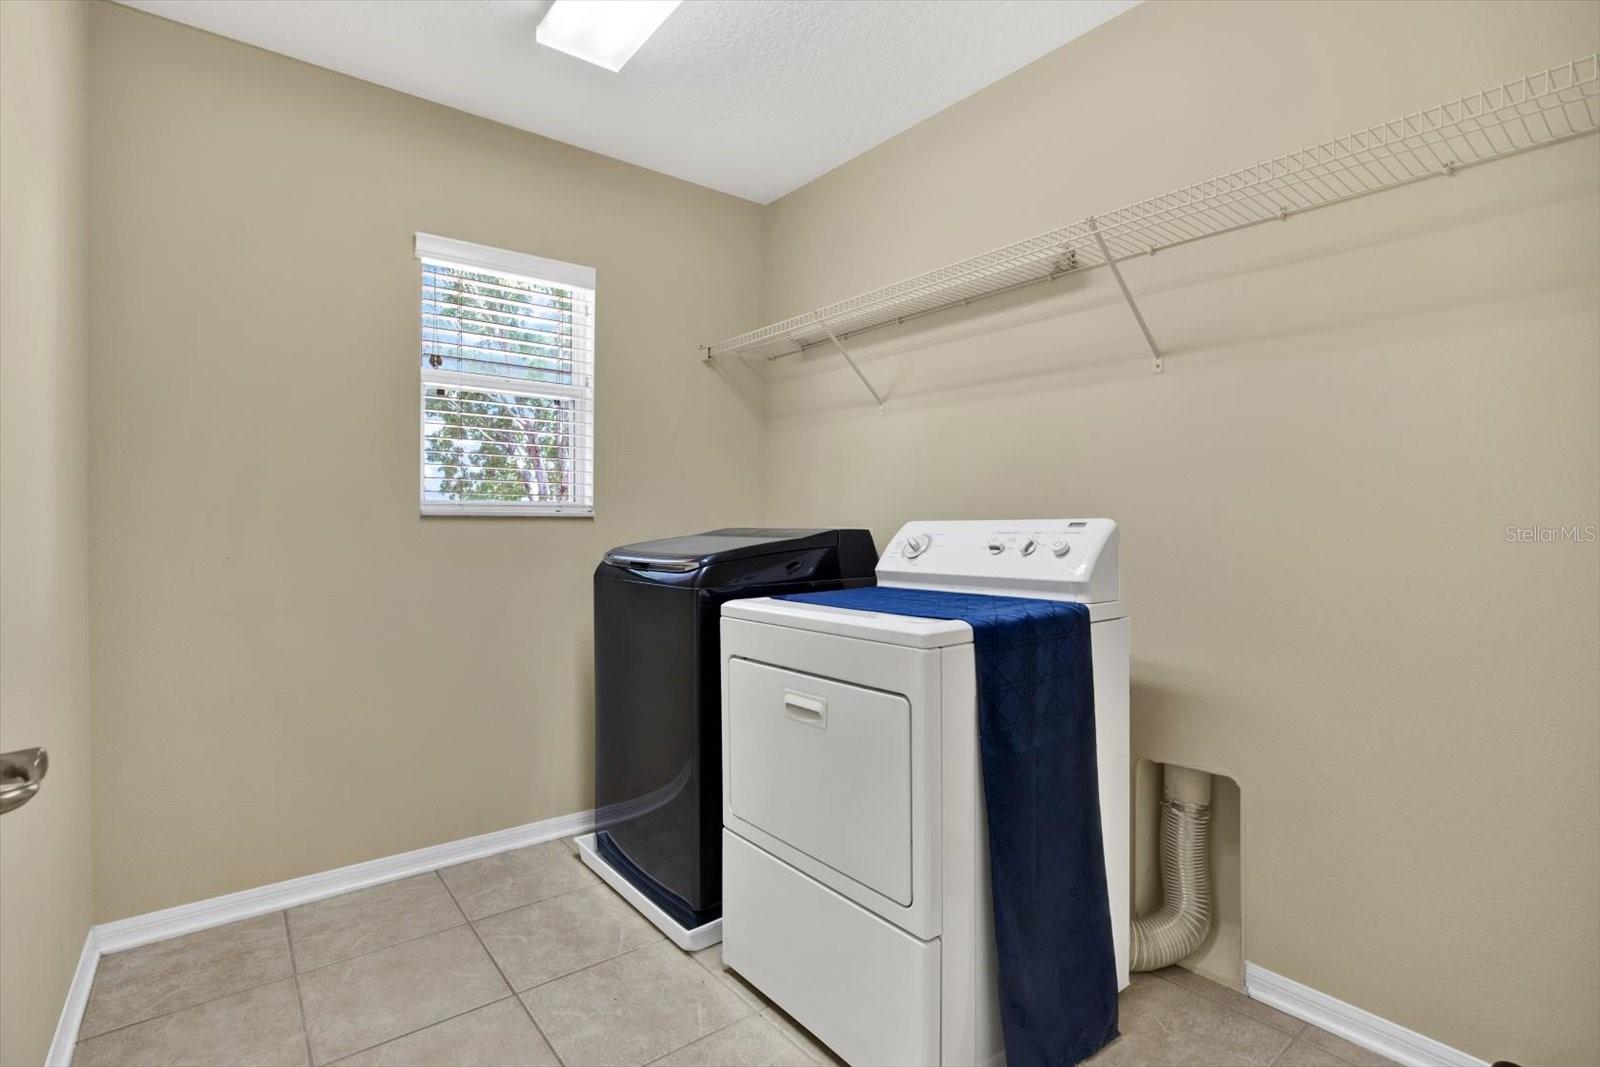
x,y
604,32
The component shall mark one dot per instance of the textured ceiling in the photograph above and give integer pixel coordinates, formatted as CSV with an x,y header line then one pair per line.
x,y
754,97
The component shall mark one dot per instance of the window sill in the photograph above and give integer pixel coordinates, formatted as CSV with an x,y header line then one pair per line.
x,y
507,511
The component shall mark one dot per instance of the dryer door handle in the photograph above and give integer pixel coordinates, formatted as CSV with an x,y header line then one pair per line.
x,y
808,710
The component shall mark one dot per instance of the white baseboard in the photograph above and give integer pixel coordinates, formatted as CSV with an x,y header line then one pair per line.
x,y
203,914
1352,1023
66,1036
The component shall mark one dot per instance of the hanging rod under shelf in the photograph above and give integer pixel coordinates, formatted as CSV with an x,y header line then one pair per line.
x,y
1543,108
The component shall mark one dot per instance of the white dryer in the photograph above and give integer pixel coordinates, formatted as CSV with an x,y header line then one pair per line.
x,y
855,870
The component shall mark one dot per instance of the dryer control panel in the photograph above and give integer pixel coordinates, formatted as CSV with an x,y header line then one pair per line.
x,y
1059,559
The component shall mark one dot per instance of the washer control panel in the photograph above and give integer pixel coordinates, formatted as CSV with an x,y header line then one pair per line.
x,y
1066,559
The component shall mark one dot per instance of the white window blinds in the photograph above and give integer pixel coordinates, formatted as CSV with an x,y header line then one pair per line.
x,y
507,382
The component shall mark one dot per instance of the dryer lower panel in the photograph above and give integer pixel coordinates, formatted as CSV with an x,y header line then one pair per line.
x,y
866,988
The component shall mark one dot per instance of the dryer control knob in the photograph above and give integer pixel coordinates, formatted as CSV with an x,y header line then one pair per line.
x,y
1029,546
996,547
917,544
1061,548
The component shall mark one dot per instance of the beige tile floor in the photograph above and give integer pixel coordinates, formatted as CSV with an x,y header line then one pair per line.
x,y
528,958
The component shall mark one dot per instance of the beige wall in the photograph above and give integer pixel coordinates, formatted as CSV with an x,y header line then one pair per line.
x,y
1313,497
293,670
44,611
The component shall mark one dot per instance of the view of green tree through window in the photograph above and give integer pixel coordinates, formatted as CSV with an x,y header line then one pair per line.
x,y
507,387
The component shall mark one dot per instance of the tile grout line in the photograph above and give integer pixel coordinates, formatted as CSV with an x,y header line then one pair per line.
x,y
597,963
419,1029
445,929
542,900
739,987
299,996
294,966
1293,1040
186,1007
471,925
730,978
511,994
199,1003
352,892
382,948
660,939
501,971
466,920
753,1012
1291,1035
1233,1007
377,948
827,1050
702,1037
531,903
514,995
585,967
807,1053
452,895
759,1013
528,904
305,1027
1320,1048
295,972
551,1045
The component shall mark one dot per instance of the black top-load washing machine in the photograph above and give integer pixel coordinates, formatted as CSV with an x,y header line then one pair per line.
x,y
658,765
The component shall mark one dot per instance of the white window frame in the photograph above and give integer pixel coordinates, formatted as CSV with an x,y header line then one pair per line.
x,y
448,251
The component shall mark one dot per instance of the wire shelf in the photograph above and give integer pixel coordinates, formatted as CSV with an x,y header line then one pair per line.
x,y
1540,109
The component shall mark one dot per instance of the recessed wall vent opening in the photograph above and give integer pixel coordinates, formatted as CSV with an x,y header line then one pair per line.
x,y
1186,873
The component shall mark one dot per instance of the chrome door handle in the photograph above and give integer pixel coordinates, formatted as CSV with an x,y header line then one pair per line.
x,y
21,774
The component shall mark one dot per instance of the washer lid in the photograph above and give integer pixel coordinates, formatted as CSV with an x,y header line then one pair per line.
x,y
716,546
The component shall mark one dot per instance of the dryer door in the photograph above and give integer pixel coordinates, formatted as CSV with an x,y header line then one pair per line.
x,y
825,767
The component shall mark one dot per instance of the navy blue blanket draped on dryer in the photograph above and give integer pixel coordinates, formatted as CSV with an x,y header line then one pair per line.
x,y
1058,978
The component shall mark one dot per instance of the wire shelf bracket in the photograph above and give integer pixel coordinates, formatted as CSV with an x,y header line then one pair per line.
x,y
854,366
1133,305
1539,109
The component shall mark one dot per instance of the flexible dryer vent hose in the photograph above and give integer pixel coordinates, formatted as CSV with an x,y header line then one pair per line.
x,y
1176,929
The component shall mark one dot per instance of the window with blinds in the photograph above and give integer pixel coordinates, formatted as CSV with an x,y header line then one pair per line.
x,y
507,382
